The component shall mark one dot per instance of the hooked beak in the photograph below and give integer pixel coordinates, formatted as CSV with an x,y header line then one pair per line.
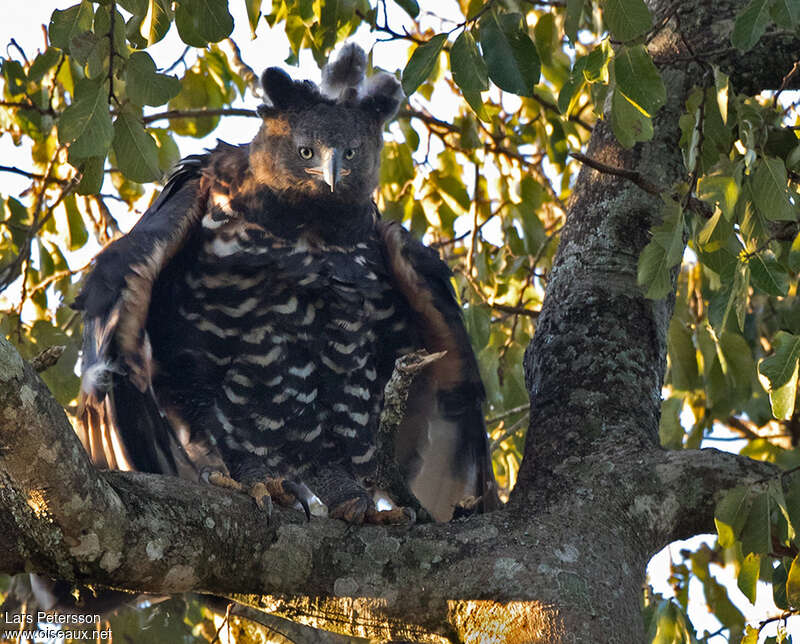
x,y
331,164
330,167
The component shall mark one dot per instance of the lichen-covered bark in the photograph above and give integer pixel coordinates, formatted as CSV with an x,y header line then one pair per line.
x,y
596,497
534,576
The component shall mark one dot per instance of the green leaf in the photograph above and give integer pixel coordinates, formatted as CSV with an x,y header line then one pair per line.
x,y
76,228
730,515
546,38
626,19
780,372
477,319
135,149
468,67
684,374
793,583
91,176
102,27
756,533
629,124
662,253
738,295
792,496
779,578
720,190
200,22
43,63
158,21
778,368
14,74
168,153
794,255
421,63
574,12
670,430
144,85
253,14
409,6
66,24
769,276
509,52
136,7
750,635
715,233
750,24
748,576
570,91
198,90
768,186
638,79
738,367
785,13
86,124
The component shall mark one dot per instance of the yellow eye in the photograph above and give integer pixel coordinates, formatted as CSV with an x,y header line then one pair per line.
x,y
349,153
305,152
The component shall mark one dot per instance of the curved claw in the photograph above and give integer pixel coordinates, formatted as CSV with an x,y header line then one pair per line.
x,y
296,489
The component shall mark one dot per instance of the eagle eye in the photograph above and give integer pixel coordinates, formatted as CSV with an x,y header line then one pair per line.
x,y
305,152
349,153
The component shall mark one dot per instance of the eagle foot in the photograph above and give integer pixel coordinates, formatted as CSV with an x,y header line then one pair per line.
x,y
283,491
361,509
395,516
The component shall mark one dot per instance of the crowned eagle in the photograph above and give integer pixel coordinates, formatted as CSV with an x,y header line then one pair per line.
x,y
243,331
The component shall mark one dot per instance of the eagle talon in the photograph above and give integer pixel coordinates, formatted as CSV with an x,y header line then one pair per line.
x,y
296,489
260,493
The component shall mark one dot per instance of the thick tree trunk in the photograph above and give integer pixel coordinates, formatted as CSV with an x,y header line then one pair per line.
x,y
596,497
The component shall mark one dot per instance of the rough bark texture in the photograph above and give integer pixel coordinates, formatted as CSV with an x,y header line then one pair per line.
x,y
596,497
514,574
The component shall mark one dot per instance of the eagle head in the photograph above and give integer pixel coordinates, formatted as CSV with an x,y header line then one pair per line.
x,y
324,144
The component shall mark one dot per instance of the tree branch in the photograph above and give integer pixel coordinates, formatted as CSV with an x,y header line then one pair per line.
x,y
62,517
194,114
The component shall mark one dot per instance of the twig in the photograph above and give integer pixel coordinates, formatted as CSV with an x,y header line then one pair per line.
x,y
777,618
473,240
575,118
47,358
630,175
21,51
508,433
112,10
507,413
199,113
516,310
29,105
785,82
32,175
47,281
388,476
243,69
180,60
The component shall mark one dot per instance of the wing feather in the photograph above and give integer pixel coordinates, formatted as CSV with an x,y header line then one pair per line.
x,y
121,423
442,442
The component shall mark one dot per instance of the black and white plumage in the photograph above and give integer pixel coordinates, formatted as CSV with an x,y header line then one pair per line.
x,y
247,325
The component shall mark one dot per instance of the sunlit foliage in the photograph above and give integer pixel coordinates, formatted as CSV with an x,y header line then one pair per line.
x,y
485,181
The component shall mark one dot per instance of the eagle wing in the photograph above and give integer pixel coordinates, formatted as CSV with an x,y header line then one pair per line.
x,y
442,442
121,423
